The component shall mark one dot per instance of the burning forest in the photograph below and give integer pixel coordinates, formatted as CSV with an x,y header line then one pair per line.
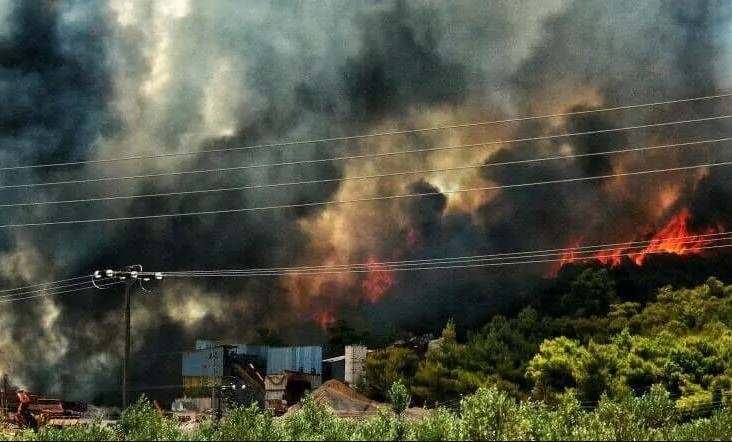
x,y
403,228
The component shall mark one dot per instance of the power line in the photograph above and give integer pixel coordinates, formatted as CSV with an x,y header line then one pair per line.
x,y
448,265
366,199
224,169
37,290
452,266
524,260
373,135
373,176
461,266
45,283
57,293
503,255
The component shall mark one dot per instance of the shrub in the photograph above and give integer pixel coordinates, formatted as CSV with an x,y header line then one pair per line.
x,y
490,414
142,422
94,431
439,424
316,422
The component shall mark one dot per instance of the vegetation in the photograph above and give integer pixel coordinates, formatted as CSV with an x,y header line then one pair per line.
x,y
596,364
488,414
602,345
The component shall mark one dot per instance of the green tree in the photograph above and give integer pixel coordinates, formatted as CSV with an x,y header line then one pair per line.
x,y
556,367
384,367
590,294
436,378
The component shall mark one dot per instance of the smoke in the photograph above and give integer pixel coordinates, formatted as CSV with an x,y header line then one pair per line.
x,y
93,80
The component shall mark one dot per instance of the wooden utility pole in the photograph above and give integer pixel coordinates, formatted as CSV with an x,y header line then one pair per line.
x,y
130,275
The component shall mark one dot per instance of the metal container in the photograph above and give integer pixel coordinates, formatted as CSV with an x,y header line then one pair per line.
x,y
208,362
302,359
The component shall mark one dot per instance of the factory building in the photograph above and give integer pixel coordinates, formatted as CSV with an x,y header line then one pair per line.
x,y
216,375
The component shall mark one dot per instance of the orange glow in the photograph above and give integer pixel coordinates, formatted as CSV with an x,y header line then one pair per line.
x,y
378,280
325,319
611,258
674,238
664,241
566,257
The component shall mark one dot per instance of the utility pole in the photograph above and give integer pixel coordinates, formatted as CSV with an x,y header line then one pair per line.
x,y
130,275
5,397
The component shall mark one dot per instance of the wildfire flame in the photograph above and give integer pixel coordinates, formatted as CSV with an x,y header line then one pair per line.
x,y
566,257
325,319
664,242
378,280
674,238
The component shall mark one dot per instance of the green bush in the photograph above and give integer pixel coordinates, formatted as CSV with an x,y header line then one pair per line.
x,y
247,424
94,431
315,422
566,421
439,424
717,427
142,422
379,427
490,414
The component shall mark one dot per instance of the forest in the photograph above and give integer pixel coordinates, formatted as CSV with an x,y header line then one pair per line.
x,y
584,338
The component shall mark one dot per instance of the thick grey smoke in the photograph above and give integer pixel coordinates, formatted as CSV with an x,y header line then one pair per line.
x,y
89,80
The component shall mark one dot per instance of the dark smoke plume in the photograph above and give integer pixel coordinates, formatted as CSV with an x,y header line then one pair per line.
x,y
90,80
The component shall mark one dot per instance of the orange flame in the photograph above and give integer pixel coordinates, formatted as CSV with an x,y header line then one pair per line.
x,y
566,257
665,240
674,238
378,280
325,319
612,257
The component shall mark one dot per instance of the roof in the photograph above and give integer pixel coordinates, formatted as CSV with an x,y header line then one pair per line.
x,y
341,398
347,402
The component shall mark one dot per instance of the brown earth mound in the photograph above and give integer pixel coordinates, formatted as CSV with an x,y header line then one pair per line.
x,y
347,402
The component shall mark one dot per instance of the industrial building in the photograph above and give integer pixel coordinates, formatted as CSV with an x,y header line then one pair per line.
x,y
347,368
216,375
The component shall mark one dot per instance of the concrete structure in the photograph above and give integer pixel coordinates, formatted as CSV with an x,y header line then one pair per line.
x,y
354,363
347,368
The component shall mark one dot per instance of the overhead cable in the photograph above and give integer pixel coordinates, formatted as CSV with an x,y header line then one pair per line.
x,y
436,267
51,283
364,177
374,135
36,290
41,295
223,169
597,248
365,199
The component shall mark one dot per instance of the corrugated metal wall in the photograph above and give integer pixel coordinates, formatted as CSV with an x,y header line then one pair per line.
x,y
257,351
209,362
305,359
200,385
